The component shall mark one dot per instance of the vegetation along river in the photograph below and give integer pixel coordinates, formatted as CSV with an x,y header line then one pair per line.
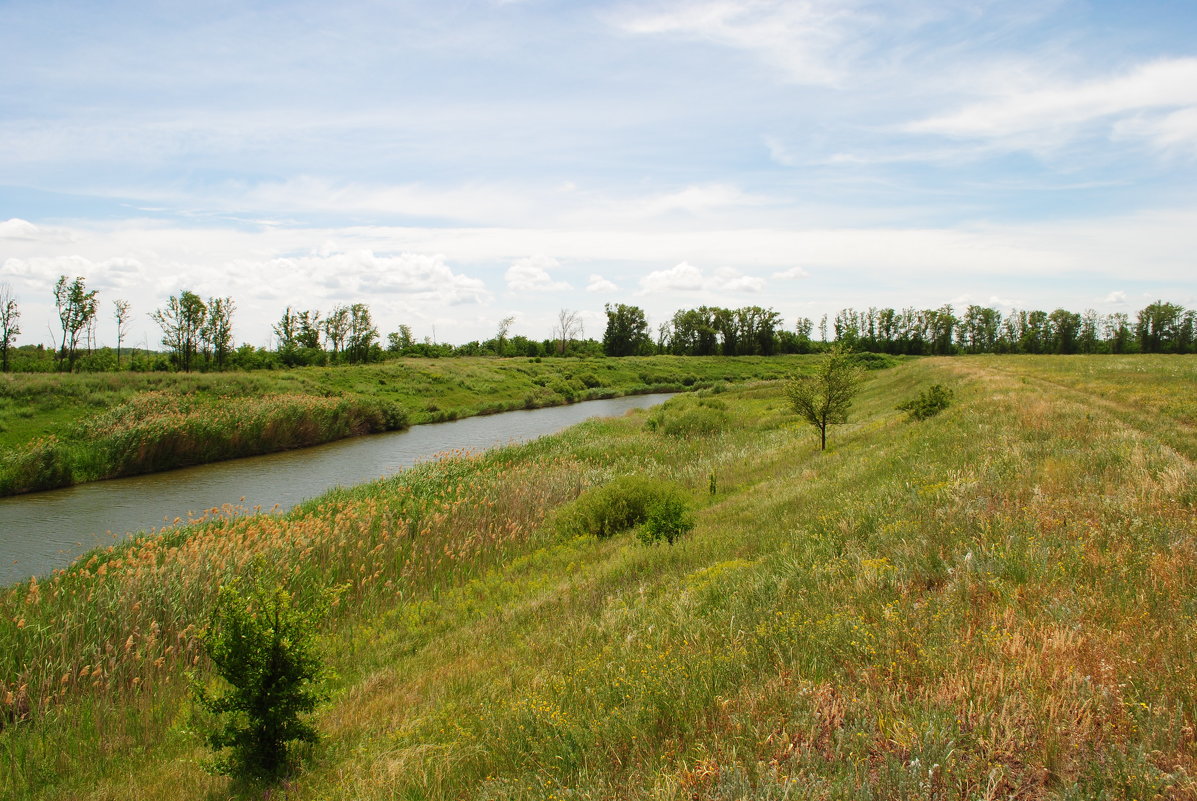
x,y
46,530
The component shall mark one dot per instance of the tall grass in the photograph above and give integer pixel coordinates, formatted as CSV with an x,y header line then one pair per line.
x,y
991,603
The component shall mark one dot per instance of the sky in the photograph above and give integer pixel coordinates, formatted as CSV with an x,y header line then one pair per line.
x,y
455,162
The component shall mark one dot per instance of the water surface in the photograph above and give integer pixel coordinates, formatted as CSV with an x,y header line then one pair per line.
x,y
45,530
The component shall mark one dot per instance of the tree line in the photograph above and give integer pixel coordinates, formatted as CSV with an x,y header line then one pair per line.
x,y
197,334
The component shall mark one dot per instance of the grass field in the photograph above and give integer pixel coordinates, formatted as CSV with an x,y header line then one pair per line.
x,y
997,602
61,429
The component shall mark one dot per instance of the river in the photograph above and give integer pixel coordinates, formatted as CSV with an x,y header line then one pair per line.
x,y
46,530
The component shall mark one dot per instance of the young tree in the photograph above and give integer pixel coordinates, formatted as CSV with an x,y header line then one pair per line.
x,y
568,328
120,313
9,314
823,399
264,649
76,309
181,321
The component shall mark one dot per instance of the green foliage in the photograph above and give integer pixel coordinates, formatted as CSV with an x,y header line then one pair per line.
x,y
668,519
614,507
263,647
683,417
929,402
824,398
43,464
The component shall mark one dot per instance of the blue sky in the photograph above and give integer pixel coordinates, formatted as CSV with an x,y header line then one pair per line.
x,y
453,163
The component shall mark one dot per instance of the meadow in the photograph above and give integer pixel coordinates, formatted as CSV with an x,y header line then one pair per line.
x,y
996,602
61,429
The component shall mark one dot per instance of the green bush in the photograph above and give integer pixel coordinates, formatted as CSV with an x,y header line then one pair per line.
x,y
929,402
612,508
683,417
264,650
668,519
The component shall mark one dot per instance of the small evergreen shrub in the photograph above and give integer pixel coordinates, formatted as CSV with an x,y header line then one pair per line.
x,y
263,648
668,519
614,507
929,402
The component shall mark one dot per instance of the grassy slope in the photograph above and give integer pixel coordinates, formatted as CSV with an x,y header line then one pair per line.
x,y
997,602
35,404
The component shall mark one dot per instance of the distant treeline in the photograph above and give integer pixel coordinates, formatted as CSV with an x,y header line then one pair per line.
x,y
198,334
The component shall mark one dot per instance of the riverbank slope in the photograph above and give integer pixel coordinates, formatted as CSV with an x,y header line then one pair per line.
x,y
995,601
63,429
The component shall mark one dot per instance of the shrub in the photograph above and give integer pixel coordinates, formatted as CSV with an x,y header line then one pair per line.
x,y
668,519
685,418
263,648
612,508
929,402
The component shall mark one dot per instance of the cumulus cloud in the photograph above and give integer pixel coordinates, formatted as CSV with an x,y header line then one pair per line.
x,y
18,229
685,277
793,272
599,284
532,275
364,272
1115,297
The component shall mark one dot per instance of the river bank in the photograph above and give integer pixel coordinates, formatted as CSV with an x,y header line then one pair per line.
x,y
48,530
59,430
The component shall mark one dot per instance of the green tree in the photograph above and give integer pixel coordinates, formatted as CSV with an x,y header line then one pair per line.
x,y
361,335
9,314
336,328
181,321
264,649
217,330
76,310
824,398
627,331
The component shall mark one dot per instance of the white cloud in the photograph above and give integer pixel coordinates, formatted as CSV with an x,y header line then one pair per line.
x,y
696,200
532,275
1168,132
685,277
793,272
806,40
1062,111
1115,297
599,284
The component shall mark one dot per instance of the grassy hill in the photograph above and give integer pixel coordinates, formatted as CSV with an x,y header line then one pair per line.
x,y
997,602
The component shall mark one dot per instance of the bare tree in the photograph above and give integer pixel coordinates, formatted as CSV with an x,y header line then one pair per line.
x,y
568,328
120,313
9,314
